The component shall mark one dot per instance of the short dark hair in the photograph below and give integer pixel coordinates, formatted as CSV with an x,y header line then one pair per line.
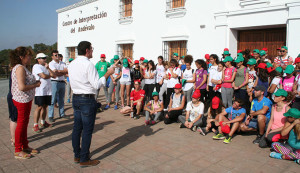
x,y
174,61
60,55
82,46
215,57
53,51
160,57
240,101
188,59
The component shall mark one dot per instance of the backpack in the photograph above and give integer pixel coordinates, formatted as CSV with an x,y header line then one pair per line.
x,y
180,97
152,104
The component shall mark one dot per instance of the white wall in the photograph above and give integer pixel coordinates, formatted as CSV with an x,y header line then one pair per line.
x,y
150,25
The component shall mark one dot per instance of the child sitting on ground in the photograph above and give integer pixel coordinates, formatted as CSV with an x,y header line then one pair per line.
x,y
236,115
291,149
153,108
194,113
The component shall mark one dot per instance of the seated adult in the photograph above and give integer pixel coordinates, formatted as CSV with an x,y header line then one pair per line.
x,y
277,119
236,115
176,105
194,114
137,101
153,109
259,115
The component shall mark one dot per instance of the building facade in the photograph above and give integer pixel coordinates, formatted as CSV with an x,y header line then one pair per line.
x,y
149,28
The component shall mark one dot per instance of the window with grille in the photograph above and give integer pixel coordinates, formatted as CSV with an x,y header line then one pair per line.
x,y
171,47
173,4
125,9
125,50
72,52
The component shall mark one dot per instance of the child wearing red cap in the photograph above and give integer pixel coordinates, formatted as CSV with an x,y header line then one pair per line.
x,y
216,107
176,105
194,113
236,115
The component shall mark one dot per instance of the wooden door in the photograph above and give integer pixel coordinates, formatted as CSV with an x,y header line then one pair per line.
x,y
263,38
127,50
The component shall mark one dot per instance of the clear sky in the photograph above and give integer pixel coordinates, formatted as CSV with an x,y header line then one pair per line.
x,y
26,22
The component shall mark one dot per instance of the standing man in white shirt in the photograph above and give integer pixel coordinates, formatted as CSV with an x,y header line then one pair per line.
x,y
58,85
85,83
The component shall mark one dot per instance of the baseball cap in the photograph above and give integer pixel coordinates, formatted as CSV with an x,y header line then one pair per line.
x,y
41,55
182,57
226,52
226,49
102,56
262,53
281,92
293,112
137,80
142,58
116,57
260,88
278,48
262,65
289,69
215,102
238,59
284,47
269,65
228,58
206,56
265,49
177,86
279,69
136,61
183,82
145,61
270,69
240,54
239,51
297,60
224,129
196,94
71,59
255,51
251,61
125,62
175,54
112,62
154,93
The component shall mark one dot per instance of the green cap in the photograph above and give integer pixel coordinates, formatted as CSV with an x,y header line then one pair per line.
x,y
255,51
289,69
238,59
281,92
145,61
111,62
182,57
251,61
175,54
125,63
279,69
228,58
154,93
262,53
284,47
226,53
116,57
183,82
269,65
298,55
71,59
240,54
293,112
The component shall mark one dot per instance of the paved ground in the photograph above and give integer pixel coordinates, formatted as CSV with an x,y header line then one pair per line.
x,y
126,145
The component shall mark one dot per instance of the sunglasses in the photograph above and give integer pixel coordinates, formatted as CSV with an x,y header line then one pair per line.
x,y
282,51
43,58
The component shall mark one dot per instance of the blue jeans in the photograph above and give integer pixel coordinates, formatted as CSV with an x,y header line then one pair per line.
x,y
58,93
84,120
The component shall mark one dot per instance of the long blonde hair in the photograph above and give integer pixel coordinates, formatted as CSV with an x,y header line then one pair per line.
x,y
297,131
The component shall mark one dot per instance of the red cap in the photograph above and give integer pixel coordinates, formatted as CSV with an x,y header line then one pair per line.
x,y
139,81
226,49
196,94
270,69
215,102
265,49
129,60
142,58
206,56
136,61
239,51
218,87
278,48
262,65
297,60
102,56
178,86
225,129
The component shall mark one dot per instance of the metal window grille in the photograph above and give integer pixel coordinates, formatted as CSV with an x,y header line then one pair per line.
x,y
171,47
175,4
125,9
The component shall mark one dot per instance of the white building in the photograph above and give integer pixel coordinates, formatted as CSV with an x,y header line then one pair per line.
x,y
149,28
